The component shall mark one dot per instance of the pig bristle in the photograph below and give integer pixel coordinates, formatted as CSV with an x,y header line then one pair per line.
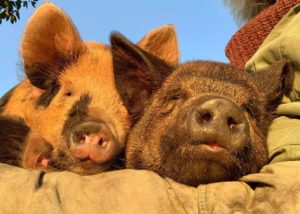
x,y
13,133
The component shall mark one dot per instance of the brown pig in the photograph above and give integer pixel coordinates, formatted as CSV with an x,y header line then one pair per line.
x,y
207,122
70,97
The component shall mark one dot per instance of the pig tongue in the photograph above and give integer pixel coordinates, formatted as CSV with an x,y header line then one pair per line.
x,y
45,162
42,160
214,145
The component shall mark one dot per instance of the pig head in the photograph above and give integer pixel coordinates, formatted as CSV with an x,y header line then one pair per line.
x,y
70,97
207,122
19,144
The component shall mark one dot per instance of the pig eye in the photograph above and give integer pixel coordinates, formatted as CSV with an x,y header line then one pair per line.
x,y
168,107
68,93
176,94
174,97
170,102
251,108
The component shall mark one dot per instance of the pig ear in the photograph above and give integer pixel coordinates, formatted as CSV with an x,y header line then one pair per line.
x,y
137,73
37,152
162,43
49,44
275,81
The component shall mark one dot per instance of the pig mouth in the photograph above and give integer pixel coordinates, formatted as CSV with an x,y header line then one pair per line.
x,y
212,145
83,167
43,160
206,146
205,161
185,150
212,150
62,160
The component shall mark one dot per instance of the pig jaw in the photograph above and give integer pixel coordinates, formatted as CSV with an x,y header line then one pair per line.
x,y
204,159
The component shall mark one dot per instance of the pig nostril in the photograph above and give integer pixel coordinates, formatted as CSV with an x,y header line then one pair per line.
x,y
101,142
79,139
205,117
231,122
82,138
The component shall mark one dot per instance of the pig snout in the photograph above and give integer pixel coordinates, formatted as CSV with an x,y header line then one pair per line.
x,y
218,122
92,140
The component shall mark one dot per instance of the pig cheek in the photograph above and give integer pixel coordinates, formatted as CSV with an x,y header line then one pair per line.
x,y
49,122
123,124
142,148
134,149
153,151
34,94
63,159
259,149
31,110
152,155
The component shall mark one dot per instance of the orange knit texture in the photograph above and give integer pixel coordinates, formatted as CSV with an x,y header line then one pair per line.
x,y
247,40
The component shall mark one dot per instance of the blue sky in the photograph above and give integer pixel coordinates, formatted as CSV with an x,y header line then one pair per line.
x,y
203,27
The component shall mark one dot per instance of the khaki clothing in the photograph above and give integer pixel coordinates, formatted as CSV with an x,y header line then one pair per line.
x,y
283,43
275,190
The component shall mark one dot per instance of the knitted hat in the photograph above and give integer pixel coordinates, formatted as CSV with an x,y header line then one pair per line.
x,y
247,40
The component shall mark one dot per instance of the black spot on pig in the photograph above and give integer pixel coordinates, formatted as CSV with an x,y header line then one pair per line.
x,y
46,97
78,113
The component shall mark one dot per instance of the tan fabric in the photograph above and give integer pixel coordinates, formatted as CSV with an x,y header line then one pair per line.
x,y
283,42
140,191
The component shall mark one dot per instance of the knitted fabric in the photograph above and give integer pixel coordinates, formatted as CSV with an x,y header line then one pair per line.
x,y
247,40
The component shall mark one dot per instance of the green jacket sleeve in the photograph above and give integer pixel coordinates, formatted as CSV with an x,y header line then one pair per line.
x,y
283,42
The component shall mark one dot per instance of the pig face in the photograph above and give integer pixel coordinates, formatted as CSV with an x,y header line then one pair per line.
x,y
208,122
70,96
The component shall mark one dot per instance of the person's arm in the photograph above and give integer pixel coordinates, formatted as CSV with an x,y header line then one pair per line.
x,y
276,189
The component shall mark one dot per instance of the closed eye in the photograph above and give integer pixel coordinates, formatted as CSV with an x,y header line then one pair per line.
x,y
68,94
173,98
176,94
251,108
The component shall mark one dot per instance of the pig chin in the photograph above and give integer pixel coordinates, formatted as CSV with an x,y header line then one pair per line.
x,y
193,162
194,172
62,160
88,145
